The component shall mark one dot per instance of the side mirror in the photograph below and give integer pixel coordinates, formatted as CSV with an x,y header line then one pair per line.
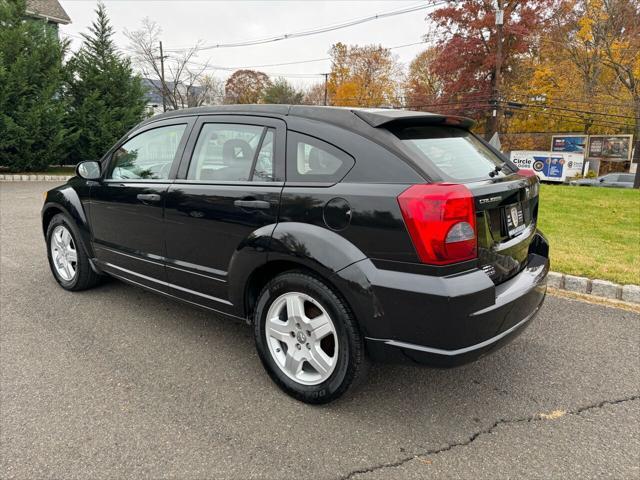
x,y
88,170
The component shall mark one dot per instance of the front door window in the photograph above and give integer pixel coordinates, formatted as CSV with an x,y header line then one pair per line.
x,y
147,156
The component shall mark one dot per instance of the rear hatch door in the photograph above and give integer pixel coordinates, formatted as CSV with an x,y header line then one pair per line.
x,y
506,215
506,202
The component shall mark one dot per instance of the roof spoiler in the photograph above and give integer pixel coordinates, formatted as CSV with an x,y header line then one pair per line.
x,y
384,118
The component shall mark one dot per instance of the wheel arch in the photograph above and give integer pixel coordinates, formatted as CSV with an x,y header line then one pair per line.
x,y
65,200
266,272
48,212
317,251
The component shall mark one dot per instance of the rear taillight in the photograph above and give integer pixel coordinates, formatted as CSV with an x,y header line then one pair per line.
x,y
525,172
441,220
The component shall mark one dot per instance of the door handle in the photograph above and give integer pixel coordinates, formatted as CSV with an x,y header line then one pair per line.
x,y
262,204
148,197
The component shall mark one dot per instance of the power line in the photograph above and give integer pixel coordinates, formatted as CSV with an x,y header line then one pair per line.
x,y
318,30
219,67
568,118
531,97
574,118
478,101
552,107
458,105
294,75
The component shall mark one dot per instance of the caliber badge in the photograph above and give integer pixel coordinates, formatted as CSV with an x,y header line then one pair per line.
x,y
514,216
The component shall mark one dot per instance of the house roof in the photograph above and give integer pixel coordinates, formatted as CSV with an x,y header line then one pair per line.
x,y
50,10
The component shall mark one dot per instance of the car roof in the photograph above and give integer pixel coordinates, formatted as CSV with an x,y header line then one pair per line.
x,y
346,117
366,122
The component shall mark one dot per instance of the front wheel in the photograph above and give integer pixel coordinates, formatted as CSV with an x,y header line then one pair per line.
x,y
307,339
68,261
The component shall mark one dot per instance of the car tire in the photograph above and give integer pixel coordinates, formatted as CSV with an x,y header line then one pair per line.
x,y
314,350
67,256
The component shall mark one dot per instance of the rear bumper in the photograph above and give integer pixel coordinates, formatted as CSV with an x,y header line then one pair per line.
x,y
397,351
449,321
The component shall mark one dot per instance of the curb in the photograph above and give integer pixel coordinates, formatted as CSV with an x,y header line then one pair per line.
x,y
597,288
34,178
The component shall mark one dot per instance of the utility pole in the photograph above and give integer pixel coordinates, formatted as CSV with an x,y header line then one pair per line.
x,y
493,123
636,160
164,85
326,78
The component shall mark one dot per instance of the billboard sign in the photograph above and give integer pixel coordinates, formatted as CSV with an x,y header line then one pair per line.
x,y
569,143
610,147
549,166
574,164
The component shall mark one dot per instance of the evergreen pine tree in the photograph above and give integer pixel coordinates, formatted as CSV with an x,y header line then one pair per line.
x,y
31,74
107,99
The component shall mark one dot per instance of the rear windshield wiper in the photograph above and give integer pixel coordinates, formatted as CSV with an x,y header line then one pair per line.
x,y
495,171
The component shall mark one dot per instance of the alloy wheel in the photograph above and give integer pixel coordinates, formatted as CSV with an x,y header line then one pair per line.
x,y
63,253
302,338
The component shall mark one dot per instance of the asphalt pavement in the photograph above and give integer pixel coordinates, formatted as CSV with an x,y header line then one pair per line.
x,y
116,382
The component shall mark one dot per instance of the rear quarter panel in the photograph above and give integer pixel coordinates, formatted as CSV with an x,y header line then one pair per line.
x,y
370,188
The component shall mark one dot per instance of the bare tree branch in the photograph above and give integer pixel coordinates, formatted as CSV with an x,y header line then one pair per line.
x,y
182,84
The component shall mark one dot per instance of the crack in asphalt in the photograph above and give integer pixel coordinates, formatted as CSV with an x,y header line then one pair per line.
x,y
486,431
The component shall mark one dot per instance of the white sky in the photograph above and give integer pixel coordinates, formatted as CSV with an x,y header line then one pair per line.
x,y
185,22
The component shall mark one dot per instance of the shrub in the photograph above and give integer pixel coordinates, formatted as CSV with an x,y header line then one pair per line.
x,y
32,109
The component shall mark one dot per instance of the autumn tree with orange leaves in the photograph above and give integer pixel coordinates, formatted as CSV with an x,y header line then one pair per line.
x,y
622,53
423,89
364,76
246,86
583,74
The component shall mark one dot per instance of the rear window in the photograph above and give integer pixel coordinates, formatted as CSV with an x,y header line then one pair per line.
x,y
312,160
453,152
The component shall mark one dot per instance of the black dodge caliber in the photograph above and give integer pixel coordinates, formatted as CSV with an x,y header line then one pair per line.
x,y
340,234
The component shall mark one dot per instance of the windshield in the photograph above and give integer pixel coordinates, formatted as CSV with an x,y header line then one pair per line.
x,y
454,152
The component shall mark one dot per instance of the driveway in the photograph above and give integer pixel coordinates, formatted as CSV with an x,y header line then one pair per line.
x,y
117,382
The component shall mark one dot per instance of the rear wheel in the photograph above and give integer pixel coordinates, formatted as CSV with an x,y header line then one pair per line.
x,y
307,338
67,258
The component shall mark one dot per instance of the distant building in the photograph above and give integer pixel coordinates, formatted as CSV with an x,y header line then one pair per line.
x,y
49,10
154,96
154,99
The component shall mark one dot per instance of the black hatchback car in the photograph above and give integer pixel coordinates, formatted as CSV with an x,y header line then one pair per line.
x,y
341,234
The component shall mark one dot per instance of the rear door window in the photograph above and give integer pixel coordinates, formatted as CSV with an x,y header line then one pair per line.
x,y
454,152
264,169
232,152
312,160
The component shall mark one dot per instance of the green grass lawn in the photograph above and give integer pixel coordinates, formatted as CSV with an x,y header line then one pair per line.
x,y
594,232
